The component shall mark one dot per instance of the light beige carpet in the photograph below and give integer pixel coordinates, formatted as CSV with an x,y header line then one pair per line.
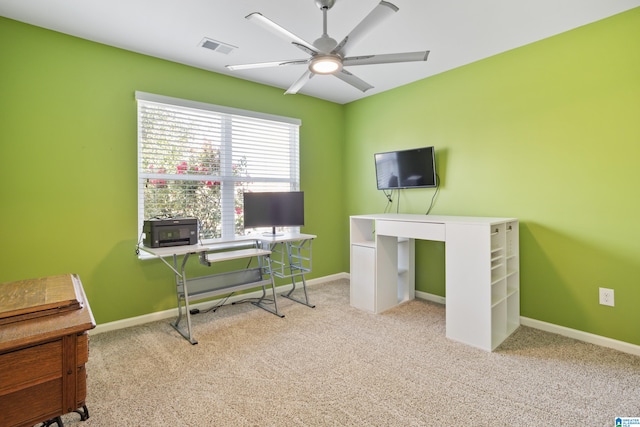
x,y
337,366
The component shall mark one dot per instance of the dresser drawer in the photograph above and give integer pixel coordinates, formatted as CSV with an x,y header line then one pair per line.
x,y
82,352
31,405
414,230
82,357
29,366
81,386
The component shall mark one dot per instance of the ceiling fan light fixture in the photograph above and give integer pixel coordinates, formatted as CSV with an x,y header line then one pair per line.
x,y
326,64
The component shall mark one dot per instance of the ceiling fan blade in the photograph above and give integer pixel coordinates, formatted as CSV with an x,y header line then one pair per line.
x,y
295,87
269,25
388,58
354,81
383,10
267,64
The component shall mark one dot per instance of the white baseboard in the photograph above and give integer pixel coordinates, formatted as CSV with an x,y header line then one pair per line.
x,y
160,315
430,297
525,321
625,347
581,336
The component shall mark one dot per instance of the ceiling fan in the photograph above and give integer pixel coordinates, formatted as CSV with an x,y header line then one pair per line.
x,y
328,56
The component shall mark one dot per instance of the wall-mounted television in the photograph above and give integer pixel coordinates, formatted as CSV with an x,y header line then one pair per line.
x,y
274,209
413,168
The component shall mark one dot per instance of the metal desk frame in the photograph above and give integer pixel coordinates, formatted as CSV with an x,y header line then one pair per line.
x,y
199,288
291,257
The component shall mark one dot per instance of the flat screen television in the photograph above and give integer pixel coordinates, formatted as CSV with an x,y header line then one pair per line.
x,y
274,209
414,168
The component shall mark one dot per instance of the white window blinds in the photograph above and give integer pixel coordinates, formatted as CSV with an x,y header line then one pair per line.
x,y
197,160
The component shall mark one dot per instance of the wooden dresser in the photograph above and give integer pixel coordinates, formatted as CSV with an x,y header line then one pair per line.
x,y
43,349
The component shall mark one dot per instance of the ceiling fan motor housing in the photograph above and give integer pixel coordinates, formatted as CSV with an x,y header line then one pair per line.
x,y
325,4
325,44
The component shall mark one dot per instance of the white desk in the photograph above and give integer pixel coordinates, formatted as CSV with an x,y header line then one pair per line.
x,y
259,246
482,270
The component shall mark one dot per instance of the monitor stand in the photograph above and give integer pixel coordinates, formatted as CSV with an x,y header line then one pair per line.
x,y
273,233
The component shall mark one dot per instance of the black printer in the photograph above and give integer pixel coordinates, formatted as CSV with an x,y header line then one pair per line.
x,y
170,232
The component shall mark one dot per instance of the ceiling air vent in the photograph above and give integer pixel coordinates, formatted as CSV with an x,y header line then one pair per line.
x,y
217,46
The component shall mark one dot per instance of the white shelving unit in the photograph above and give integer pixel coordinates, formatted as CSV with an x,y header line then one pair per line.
x,y
482,270
386,258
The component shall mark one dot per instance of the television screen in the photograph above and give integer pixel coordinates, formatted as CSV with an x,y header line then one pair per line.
x,y
414,168
274,209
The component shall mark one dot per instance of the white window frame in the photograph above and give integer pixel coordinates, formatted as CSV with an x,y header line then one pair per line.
x,y
227,191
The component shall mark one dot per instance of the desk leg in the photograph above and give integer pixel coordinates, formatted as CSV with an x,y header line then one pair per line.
x,y
293,288
264,289
297,267
181,279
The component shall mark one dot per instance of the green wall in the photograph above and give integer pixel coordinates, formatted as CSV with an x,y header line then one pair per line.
x,y
68,163
548,133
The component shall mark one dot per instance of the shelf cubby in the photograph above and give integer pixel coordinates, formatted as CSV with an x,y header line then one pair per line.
x,y
498,291
363,232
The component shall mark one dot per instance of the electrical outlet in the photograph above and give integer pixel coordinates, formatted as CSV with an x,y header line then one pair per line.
x,y
606,297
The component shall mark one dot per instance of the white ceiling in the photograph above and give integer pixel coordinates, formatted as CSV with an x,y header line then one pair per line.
x,y
457,32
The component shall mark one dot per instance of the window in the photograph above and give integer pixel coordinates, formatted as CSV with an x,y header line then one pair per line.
x,y
197,160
